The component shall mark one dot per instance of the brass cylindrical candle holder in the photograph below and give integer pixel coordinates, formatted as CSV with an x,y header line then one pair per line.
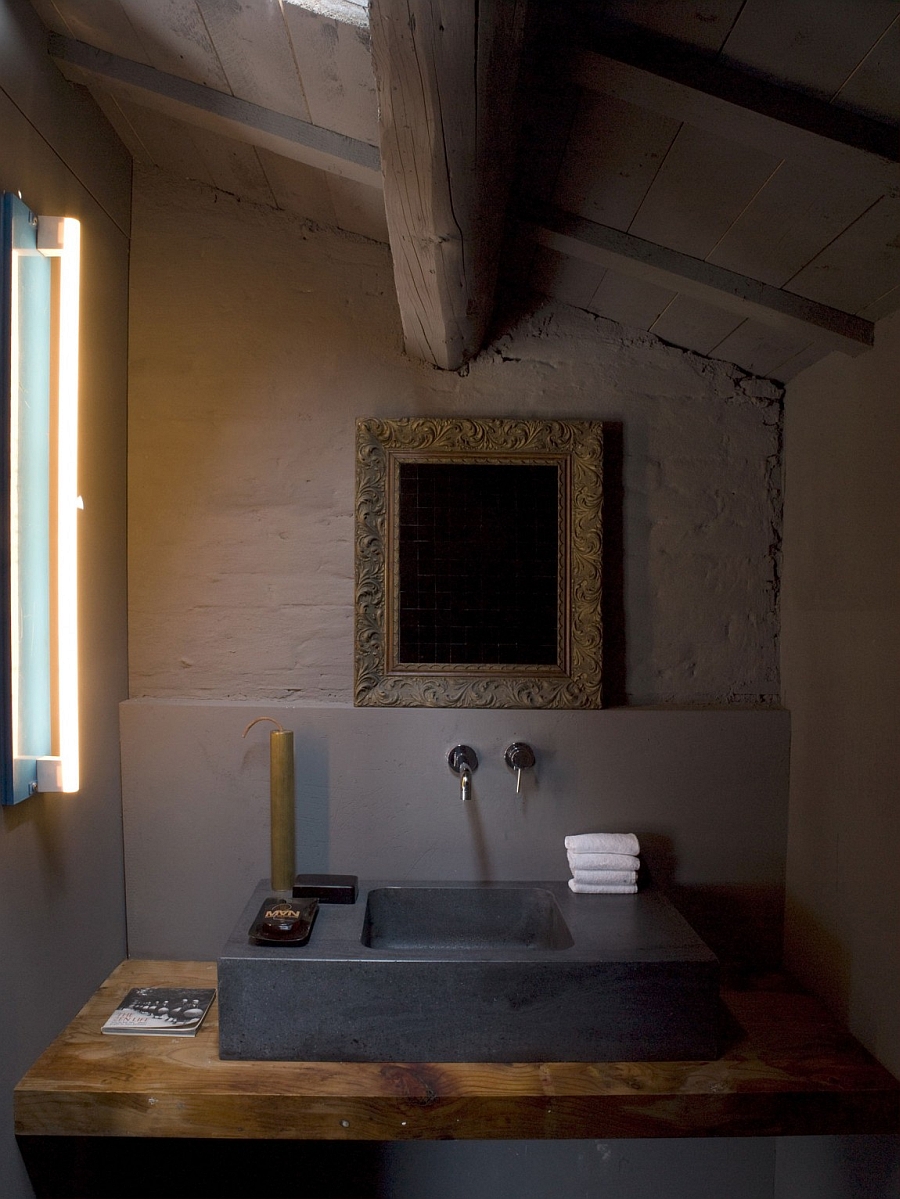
x,y
281,804
281,792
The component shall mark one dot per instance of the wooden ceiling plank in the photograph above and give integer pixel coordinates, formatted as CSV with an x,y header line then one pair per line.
x,y
446,76
704,26
753,112
886,303
251,43
175,40
298,188
630,255
335,64
234,167
695,324
548,123
759,348
872,88
225,114
613,155
628,301
358,208
858,266
568,279
169,143
789,221
51,17
792,367
812,45
703,186
102,23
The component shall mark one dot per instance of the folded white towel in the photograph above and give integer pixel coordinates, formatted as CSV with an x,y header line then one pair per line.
x,y
604,843
601,889
609,877
602,861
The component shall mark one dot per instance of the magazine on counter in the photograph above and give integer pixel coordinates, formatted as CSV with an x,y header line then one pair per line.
x,y
161,1012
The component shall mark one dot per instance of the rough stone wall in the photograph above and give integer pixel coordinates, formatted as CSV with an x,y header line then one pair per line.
x,y
256,342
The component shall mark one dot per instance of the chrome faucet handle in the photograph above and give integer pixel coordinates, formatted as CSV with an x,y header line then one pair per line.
x,y
463,761
465,784
518,757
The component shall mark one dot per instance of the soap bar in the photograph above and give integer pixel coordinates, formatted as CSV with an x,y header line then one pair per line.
x,y
327,888
284,922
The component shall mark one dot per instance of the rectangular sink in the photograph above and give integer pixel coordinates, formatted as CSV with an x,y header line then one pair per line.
x,y
432,972
470,918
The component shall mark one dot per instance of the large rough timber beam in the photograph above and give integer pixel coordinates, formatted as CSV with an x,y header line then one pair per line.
x,y
446,74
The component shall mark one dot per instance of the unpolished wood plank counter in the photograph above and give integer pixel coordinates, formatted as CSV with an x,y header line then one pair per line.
x,y
788,1070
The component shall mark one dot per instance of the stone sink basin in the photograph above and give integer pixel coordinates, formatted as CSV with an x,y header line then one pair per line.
x,y
444,971
464,918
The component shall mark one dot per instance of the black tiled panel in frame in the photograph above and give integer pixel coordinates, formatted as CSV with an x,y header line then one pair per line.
x,y
478,563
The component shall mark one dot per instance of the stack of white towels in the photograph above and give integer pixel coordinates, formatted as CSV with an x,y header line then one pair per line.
x,y
604,863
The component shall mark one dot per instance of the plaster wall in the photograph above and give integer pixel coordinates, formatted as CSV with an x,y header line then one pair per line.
x,y
62,917
840,653
256,341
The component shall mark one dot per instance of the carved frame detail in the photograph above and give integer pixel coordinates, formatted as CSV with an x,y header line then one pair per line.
x,y
577,447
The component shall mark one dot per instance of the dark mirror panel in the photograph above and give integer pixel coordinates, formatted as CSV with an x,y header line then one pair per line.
x,y
478,563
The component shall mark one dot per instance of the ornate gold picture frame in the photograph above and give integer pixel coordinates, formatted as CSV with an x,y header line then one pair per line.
x,y
563,674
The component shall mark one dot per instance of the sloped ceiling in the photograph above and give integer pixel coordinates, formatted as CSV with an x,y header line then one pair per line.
x,y
721,173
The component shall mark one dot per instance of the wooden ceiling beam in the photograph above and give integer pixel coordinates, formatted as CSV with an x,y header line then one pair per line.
x,y
741,107
217,111
586,240
446,73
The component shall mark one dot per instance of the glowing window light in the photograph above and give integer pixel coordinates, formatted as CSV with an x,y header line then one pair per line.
x,y
60,237
39,648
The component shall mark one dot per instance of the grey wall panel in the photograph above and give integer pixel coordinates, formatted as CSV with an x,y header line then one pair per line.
x,y
705,791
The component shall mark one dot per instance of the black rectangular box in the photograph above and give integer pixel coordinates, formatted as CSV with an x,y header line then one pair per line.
x,y
327,888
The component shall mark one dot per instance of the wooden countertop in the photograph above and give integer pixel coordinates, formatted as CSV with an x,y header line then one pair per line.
x,y
789,1070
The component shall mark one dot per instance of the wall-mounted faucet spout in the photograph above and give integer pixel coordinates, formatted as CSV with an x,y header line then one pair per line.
x,y
463,761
